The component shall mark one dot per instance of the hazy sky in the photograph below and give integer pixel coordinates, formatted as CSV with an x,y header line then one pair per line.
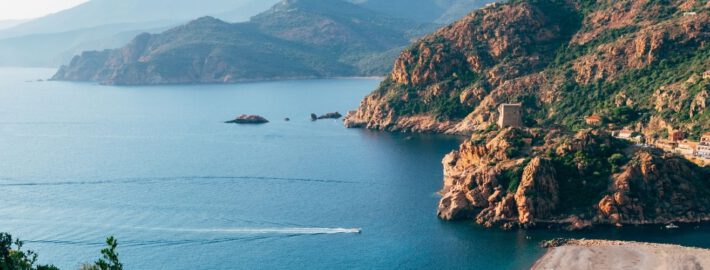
x,y
25,9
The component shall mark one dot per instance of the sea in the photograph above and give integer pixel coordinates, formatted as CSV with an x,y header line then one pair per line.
x,y
157,167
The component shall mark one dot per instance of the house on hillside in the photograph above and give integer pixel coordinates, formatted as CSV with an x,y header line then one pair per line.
x,y
676,136
628,135
703,149
666,145
686,148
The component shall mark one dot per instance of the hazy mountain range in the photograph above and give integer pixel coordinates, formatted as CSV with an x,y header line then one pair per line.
x,y
293,39
104,24
5,24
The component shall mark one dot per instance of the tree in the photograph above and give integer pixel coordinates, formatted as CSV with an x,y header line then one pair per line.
x,y
110,260
17,259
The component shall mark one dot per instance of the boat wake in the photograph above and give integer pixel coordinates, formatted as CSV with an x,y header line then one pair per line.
x,y
8,182
227,235
289,231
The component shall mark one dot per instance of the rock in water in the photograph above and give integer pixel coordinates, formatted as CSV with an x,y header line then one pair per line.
x,y
333,115
314,117
248,119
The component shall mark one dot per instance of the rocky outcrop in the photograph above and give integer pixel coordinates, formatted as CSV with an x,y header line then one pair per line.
x,y
248,119
560,179
332,115
656,189
538,193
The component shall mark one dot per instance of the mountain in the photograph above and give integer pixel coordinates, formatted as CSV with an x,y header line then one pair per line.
x,y
294,39
437,11
32,50
102,24
635,65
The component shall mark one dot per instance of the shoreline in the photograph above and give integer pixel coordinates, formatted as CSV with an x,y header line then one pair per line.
x,y
611,254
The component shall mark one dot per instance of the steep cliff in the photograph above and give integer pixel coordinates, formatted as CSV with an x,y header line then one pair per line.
x,y
563,60
526,177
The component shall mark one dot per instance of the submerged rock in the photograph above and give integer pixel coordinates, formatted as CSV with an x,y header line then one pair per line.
x,y
248,119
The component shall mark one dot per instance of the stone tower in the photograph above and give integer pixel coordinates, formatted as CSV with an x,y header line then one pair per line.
x,y
510,115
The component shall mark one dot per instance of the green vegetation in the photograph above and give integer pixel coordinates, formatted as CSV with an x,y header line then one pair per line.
x,y
585,174
13,257
621,93
641,84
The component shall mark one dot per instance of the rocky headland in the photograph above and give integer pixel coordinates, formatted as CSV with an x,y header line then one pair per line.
x,y
528,177
637,64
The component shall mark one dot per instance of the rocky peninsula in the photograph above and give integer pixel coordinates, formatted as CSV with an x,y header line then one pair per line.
x,y
600,254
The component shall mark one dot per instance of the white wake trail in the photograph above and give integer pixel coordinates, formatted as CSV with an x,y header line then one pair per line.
x,y
304,231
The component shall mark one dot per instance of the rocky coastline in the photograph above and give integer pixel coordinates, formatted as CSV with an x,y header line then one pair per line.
x,y
529,177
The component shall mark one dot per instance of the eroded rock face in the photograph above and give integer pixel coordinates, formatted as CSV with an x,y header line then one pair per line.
x,y
476,55
537,195
656,189
479,182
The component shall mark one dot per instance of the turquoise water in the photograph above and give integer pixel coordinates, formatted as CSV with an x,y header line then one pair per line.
x,y
157,168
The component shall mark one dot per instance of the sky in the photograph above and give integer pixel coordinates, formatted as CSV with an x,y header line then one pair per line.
x,y
27,9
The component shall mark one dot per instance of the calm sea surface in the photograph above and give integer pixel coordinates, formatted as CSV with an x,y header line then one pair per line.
x,y
158,168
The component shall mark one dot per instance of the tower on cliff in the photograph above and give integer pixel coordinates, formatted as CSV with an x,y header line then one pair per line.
x,y
510,115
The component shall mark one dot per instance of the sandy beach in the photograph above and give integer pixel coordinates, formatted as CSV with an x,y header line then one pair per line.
x,y
601,254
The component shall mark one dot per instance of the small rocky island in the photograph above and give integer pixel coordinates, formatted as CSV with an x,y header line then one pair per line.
x,y
333,115
248,119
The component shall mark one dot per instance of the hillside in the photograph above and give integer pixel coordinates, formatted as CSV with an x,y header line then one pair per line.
x,y
294,39
564,62
638,65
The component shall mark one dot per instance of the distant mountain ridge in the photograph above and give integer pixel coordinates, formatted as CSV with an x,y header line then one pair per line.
x,y
437,11
294,39
103,24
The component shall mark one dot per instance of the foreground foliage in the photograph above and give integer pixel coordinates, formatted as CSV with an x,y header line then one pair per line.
x,y
13,257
